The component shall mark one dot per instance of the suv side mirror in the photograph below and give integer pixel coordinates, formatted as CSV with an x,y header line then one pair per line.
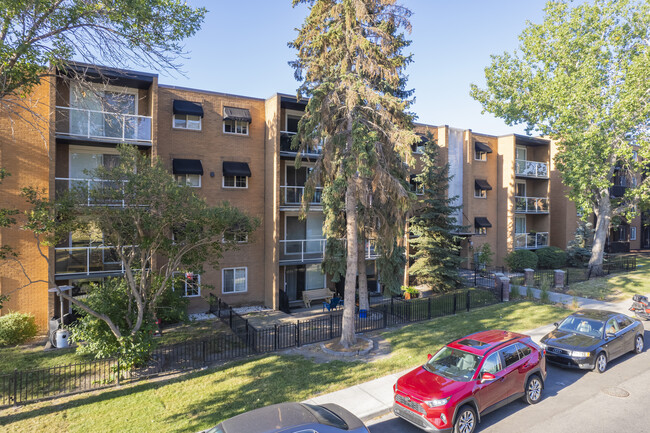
x,y
487,377
429,356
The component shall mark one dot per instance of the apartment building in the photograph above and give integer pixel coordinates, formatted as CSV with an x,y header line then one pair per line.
x,y
238,149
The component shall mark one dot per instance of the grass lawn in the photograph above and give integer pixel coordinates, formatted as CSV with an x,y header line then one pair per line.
x,y
616,287
200,400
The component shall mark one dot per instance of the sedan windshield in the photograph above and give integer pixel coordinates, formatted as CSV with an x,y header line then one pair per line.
x,y
453,364
581,325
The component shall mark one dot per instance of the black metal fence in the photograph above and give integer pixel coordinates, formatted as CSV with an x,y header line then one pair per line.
x,y
21,386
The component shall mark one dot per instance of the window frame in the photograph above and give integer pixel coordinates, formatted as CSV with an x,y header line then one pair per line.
x,y
236,122
480,193
480,231
198,284
224,239
187,122
503,357
632,233
234,269
223,182
480,155
176,176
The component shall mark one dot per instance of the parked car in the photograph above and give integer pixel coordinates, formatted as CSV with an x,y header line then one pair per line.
x,y
293,418
590,339
468,378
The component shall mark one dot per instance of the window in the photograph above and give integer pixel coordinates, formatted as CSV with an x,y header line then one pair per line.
x,y
234,280
479,155
193,180
235,182
416,186
187,121
480,193
492,364
240,238
520,189
480,230
611,327
632,233
521,153
231,126
189,283
623,322
520,224
524,350
510,355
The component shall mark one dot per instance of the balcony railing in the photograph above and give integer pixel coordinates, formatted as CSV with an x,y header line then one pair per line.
x,y
285,145
312,250
292,195
531,204
531,169
93,124
87,260
85,188
531,241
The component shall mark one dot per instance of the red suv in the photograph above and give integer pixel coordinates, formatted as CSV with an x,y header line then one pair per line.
x,y
468,378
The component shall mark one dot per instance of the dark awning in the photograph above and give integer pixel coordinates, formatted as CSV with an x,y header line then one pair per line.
x,y
236,169
481,222
482,147
241,114
187,107
482,184
187,166
423,137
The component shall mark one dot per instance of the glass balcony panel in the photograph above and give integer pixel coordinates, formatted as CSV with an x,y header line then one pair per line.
x,y
531,241
102,124
542,240
520,204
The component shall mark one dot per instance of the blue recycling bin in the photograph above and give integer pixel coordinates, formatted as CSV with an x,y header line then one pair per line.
x,y
363,314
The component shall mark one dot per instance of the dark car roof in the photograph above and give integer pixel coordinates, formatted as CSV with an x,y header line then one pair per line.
x,y
601,315
269,419
480,343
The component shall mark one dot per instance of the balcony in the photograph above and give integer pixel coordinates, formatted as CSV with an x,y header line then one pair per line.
x,y
95,125
292,195
285,146
533,169
531,241
84,187
312,251
87,261
531,205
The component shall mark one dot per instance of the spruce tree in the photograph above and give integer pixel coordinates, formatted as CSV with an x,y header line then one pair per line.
x,y
350,63
437,256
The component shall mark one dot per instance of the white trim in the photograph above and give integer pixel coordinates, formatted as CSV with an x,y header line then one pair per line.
x,y
480,231
482,194
525,228
521,182
185,174
223,183
482,153
525,149
198,285
186,128
223,123
287,113
234,288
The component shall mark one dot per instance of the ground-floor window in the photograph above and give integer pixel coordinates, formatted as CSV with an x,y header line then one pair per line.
x,y
188,283
234,280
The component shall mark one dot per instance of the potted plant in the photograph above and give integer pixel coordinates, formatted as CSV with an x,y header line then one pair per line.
x,y
410,292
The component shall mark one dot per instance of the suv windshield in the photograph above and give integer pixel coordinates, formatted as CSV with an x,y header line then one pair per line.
x,y
453,364
582,325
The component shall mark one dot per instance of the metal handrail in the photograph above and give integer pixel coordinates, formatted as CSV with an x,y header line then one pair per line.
x,y
293,195
531,241
527,204
302,251
531,168
315,152
134,127
71,180
87,262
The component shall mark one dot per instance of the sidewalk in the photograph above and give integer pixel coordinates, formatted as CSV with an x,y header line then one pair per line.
x,y
375,398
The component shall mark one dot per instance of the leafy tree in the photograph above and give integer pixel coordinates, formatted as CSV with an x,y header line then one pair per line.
x,y
157,228
350,63
37,34
437,248
485,255
581,77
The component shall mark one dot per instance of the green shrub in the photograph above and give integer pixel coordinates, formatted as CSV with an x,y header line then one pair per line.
x,y
514,292
172,305
519,260
578,257
544,296
551,258
17,328
529,293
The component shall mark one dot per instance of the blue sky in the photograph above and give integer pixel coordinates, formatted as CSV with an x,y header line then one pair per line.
x,y
242,49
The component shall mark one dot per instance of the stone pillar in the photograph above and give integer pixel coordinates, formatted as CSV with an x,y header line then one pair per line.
x,y
558,279
505,288
529,280
497,281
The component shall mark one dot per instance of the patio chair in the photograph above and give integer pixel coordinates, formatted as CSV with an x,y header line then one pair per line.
x,y
333,304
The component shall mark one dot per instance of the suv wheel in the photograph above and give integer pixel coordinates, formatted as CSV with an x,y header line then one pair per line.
x,y
638,344
601,362
533,389
466,420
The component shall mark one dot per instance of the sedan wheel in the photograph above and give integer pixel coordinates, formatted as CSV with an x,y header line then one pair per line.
x,y
466,421
638,344
533,390
601,362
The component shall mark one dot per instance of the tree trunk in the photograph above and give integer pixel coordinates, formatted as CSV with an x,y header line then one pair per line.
x,y
603,219
347,332
363,278
407,246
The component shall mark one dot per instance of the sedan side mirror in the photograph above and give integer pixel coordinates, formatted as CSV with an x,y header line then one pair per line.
x,y
610,335
429,356
556,324
487,377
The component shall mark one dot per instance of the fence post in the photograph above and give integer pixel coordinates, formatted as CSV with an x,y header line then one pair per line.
x,y
275,337
118,371
429,310
297,336
455,302
475,273
467,300
15,387
230,318
204,354
331,327
385,315
391,305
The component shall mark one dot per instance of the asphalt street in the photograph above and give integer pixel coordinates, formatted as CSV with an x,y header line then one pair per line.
x,y
573,401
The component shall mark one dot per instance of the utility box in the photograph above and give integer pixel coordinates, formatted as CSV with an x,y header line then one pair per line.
x,y
62,336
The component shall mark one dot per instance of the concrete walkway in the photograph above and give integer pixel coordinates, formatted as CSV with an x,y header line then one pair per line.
x,y
375,398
